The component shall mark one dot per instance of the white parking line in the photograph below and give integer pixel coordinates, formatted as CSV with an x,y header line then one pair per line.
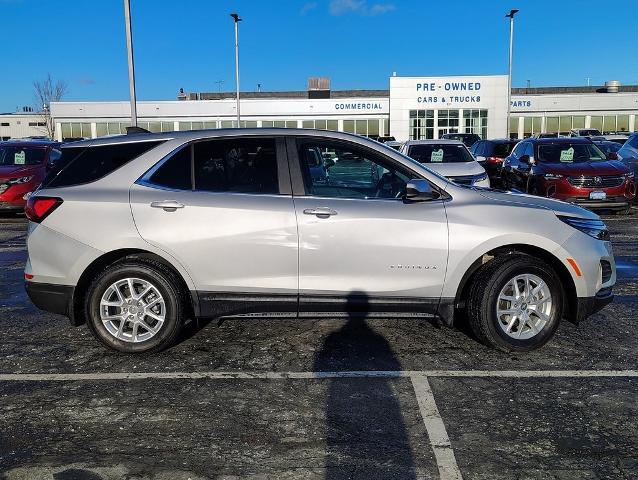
x,y
67,377
443,453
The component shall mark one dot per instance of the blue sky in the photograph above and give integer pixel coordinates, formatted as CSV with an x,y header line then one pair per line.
x,y
358,43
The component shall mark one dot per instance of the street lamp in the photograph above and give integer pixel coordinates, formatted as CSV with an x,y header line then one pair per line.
x,y
131,64
510,15
237,19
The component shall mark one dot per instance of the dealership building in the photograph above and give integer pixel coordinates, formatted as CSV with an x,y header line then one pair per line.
x,y
411,108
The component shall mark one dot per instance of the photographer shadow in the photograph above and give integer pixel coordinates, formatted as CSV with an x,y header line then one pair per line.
x,y
366,434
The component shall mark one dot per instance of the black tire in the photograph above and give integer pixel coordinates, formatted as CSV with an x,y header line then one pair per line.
x,y
483,297
169,287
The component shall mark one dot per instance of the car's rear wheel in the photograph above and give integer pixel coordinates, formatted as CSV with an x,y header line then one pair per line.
x,y
136,306
515,303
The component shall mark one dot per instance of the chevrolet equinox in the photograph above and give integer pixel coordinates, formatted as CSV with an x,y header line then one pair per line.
x,y
137,234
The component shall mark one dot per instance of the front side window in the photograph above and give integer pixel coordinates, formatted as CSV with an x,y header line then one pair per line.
x,y
440,153
14,155
518,150
350,172
569,153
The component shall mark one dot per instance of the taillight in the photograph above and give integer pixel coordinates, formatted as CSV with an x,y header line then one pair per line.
x,y
494,160
38,208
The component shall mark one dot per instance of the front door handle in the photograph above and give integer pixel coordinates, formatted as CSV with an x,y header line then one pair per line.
x,y
321,212
167,205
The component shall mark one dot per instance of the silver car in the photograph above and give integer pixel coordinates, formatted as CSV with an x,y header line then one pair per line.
x,y
137,235
450,158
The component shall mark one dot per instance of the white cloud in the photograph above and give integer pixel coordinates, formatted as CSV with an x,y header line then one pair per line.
x,y
308,7
361,7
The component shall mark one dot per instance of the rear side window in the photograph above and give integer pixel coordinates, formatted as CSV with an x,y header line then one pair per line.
x,y
243,165
79,165
175,173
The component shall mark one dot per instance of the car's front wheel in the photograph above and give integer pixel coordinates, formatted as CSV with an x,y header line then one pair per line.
x,y
135,306
515,303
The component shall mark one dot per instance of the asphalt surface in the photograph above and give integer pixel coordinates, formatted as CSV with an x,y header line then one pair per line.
x,y
276,415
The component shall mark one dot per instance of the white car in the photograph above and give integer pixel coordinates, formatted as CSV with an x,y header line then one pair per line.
x,y
137,235
449,158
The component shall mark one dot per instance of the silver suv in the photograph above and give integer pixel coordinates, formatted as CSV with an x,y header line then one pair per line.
x,y
136,235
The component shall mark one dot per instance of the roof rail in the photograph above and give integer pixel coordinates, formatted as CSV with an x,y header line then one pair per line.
x,y
132,130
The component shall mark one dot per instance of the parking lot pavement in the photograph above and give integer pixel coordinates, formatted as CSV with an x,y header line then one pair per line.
x,y
248,398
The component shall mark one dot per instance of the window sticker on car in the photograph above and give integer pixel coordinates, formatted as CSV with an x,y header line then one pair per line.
x,y
19,158
437,156
567,155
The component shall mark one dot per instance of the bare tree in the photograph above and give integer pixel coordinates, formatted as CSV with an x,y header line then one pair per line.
x,y
45,92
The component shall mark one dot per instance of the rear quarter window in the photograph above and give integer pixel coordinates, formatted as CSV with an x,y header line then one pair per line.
x,y
80,165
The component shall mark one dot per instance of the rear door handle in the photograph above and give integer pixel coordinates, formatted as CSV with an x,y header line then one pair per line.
x,y
321,212
167,205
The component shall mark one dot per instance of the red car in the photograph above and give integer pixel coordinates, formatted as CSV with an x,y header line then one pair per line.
x,y
574,170
23,166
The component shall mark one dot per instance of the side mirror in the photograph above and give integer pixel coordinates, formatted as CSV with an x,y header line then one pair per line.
x,y
612,156
524,159
418,190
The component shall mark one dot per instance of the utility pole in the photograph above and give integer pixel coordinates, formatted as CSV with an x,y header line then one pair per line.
x,y
131,63
510,15
237,20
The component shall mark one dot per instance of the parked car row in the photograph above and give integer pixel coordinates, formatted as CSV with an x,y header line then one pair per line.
x,y
579,169
23,166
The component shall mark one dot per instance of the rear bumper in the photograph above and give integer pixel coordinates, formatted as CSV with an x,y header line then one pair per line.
x,y
51,298
586,306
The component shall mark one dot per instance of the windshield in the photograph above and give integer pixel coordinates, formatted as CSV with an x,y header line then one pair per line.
x,y
440,153
569,153
609,147
502,150
14,155
588,132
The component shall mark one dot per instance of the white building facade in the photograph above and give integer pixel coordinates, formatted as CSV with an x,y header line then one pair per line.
x,y
21,125
412,108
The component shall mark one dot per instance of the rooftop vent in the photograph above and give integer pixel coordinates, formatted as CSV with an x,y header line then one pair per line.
x,y
612,86
318,87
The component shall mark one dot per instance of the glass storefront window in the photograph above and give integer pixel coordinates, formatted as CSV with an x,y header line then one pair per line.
x,y
474,121
101,129
596,122
207,125
609,124
291,123
421,124
565,125
622,124
578,122
552,125
155,127
279,124
332,125
267,123
361,127
386,126
320,124
348,126
373,127
308,124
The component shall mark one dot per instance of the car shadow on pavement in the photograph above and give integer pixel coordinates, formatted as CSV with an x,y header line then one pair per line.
x,y
366,434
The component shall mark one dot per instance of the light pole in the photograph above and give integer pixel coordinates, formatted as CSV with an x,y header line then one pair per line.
x,y
237,20
510,15
131,64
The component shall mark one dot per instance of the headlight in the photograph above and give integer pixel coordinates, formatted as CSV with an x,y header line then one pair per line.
x,y
594,228
480,177
21,180
552,176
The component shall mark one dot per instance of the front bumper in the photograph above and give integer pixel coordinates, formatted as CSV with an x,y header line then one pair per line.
x,y
587,306
50,297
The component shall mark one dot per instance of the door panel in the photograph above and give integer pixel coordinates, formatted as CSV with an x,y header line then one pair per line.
x,y
358,241
228,242
381,248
